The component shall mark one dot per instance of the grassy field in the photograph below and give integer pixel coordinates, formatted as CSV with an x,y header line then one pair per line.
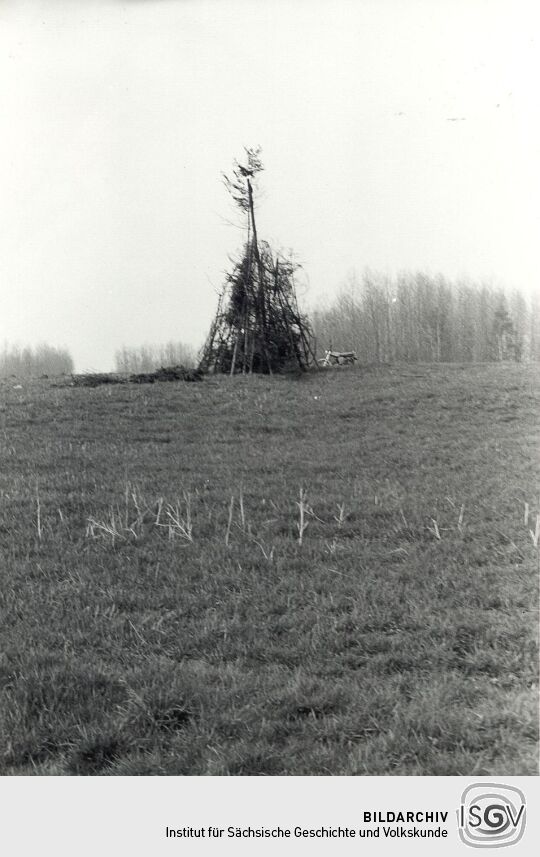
x,y
335,574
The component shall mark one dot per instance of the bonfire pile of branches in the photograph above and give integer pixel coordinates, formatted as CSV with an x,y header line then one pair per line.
x,y
258,326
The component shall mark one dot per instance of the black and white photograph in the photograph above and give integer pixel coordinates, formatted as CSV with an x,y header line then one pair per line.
x,y
269,393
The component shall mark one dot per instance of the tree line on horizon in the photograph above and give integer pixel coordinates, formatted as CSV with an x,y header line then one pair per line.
x,y
411,318
415,318
30,362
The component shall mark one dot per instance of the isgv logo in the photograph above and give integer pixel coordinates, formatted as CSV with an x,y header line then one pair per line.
x,y
491,815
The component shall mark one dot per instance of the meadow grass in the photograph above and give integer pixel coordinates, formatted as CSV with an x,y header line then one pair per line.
x,y
332,574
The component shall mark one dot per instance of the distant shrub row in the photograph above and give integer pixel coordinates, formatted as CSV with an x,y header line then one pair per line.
x,y
29,362
148,358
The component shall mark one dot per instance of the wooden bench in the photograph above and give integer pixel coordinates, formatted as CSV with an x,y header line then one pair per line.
x,y
339,358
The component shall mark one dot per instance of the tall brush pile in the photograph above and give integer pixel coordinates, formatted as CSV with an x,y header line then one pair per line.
x,y
258,326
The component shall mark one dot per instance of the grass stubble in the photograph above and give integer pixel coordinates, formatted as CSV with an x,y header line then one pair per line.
x,y
336,574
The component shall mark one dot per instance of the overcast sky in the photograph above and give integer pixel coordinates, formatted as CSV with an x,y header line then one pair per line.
x,y
396,134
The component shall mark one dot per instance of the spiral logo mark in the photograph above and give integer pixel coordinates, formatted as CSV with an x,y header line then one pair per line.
x,y
491,815
495,817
